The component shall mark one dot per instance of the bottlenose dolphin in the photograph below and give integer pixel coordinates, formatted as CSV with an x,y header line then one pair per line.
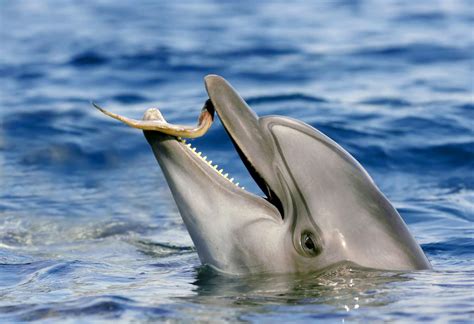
x,y
321,207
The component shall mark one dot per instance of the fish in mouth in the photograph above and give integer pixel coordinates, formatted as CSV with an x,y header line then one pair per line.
x,y
320,207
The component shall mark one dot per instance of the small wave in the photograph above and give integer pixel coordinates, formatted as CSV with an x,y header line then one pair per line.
x,y
259,50
156,56
49,272
101,307
88,58
386,101
457,247
415,122
158,250
414,214
14,273
283,98
452,155
416,53
40,122
468,107
67,154
129,98
112,228
342,132
23,73
421,17
375,156
66,140
30,75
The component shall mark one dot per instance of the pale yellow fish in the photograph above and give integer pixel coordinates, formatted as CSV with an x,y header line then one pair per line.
x,y
204,123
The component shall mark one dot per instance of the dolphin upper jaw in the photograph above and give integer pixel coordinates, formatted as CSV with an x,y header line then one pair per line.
x,y
249,136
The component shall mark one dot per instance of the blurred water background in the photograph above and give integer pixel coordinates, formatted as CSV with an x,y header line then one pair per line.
x,y
88,228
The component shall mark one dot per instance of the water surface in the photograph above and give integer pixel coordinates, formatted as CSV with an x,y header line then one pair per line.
x,y
88,228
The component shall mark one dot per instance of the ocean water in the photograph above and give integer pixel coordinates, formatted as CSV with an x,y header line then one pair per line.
x,y
88,228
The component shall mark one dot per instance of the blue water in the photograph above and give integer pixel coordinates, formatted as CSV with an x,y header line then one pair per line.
x,y
88,228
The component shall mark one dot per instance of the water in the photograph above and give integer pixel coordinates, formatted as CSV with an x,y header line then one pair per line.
x,y
88,228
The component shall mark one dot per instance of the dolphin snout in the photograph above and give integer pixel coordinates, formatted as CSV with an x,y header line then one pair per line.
x,y
153,114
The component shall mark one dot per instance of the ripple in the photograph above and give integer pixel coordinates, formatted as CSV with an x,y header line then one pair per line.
x,y
30,75
88,58
258,51
101,307
452,155
156,56
417,53
129,98
68,155
13,274
111,228
384,101
159,250
458,247
283,98
421,17
66,140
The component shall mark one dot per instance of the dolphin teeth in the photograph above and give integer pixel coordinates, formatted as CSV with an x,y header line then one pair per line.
x,y
204,158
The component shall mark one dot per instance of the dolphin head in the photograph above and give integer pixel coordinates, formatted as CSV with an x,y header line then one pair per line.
x,y
321,207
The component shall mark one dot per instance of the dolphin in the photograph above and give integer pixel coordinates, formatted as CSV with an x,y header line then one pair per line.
x,y
321,208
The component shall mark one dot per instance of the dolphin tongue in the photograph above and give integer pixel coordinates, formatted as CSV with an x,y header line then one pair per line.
x,y
243,127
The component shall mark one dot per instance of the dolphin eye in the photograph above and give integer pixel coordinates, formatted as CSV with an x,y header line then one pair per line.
x,y
310,244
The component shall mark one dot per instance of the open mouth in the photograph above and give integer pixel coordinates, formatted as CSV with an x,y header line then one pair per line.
x,y
204,158
247,135
240,123
270,195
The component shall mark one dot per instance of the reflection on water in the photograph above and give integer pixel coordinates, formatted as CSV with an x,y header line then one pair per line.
x,y
339,290
341,285
88,228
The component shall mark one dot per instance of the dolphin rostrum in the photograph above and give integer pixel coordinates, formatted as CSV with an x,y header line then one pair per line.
x,y
321,207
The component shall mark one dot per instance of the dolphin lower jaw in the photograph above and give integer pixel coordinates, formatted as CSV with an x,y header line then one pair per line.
x,y
209,203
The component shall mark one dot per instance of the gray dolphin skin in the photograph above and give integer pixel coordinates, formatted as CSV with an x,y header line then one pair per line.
x,y
321,207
